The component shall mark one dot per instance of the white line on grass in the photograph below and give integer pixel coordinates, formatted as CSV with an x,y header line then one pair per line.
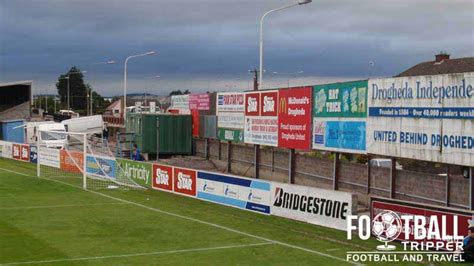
x,y
194,219
61,206
137,254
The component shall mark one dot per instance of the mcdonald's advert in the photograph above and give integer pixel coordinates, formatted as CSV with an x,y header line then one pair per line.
x,y
294,118
261,118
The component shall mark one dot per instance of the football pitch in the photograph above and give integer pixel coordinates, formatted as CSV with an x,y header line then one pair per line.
x,y
56,222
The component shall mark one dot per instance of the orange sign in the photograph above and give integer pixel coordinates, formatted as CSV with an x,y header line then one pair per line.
x,y
72,161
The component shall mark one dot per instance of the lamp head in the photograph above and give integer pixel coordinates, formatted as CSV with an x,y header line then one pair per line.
x,y
303,2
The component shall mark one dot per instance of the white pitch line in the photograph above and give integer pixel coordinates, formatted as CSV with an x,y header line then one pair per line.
x,y
195,220
61,206
137,254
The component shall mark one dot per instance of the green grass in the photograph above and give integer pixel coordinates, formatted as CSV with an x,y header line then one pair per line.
x,y
61,224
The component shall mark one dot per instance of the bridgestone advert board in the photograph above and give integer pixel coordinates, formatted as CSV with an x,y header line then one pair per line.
x,y
429,118
312,205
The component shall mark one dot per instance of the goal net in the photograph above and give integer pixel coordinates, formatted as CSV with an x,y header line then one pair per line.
x,y
80,159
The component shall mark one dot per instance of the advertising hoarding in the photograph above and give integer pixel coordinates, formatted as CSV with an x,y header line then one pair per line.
x,y
33,154
139,172
101,166
426,118
16,151
243,193
339,116
180,103
50,157
261,118
379,205
184,181
230,110
25,152
162,177
294,118
6,149
312,205
72,161
200,101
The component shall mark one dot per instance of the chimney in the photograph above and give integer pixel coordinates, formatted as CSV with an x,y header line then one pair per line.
x,y
441,57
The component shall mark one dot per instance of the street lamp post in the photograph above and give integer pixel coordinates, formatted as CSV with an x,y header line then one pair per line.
x,y
125,80
289,75
110,62
300,2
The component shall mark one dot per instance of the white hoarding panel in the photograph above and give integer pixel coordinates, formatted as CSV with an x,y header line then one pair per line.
x,y
428,118
180,102
261,118
49,157
6,149
312,205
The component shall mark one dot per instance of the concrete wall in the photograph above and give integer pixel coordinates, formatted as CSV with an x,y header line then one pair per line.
x,y
317,172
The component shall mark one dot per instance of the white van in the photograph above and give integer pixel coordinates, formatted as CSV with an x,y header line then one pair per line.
x,y
70,113
49,138
31,130
86,124
384,163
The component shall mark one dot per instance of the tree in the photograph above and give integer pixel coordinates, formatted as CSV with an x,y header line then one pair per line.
x,y
77,89
179,92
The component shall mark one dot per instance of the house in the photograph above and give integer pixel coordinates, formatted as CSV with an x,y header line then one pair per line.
x,y
441,65
114,109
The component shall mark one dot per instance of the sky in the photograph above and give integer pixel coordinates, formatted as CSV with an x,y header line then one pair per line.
x,y
209,45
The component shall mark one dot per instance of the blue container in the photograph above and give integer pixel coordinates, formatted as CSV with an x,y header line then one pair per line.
x,y
13,132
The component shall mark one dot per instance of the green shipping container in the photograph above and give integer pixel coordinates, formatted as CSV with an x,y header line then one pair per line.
x,y
174,133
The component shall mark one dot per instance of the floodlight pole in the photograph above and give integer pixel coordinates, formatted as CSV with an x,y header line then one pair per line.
x,y
300,2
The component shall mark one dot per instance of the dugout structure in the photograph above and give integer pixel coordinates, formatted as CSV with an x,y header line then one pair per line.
x,y
15,100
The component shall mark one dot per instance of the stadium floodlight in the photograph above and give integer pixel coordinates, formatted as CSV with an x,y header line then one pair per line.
x,y
125,80
300,2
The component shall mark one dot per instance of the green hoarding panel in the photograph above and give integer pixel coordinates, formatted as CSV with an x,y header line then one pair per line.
x,y
175,133
139,172
345,99
233,135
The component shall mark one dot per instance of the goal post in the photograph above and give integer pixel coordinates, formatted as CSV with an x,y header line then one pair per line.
x,y
81,159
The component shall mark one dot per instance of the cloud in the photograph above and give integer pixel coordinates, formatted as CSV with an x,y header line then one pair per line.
x,y
202,39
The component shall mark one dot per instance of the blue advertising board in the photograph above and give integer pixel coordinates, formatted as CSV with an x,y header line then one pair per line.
x,y
234,191
101,166
349,136
33,154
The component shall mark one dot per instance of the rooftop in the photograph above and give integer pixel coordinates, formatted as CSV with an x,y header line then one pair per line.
x,y
441,65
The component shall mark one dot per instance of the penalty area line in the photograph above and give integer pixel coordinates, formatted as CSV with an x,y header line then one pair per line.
x,y
138,254
196,220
